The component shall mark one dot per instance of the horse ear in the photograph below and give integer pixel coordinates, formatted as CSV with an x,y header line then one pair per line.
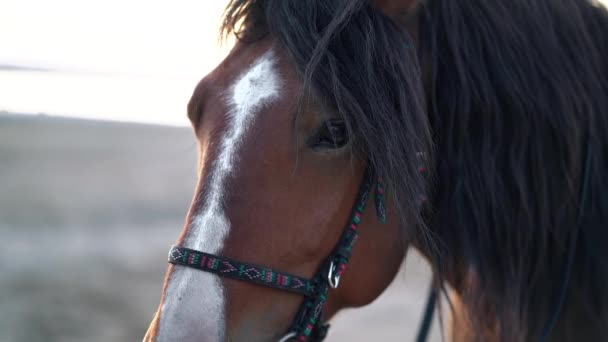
x,y
396,9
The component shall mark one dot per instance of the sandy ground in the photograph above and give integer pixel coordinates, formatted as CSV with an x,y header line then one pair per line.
x,y
87,212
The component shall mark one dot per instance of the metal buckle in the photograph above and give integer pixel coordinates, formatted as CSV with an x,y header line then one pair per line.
x,y
289,336
332,277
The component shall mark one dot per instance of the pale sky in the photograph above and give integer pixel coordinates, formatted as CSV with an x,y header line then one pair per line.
x,y
151,55
129,60
140,36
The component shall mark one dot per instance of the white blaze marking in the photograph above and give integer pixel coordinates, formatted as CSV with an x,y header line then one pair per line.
x,y
194,304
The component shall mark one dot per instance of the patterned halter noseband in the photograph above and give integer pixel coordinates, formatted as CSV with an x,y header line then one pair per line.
x,y
308,324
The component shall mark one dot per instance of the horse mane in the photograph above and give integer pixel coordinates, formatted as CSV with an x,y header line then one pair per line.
x,y
517,105
519,111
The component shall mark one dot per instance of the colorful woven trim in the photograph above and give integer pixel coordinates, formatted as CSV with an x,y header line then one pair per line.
x,y
343,251
240,271
380,202
308,323
311,326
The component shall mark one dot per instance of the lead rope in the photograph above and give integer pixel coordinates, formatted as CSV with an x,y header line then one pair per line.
x,y
431,302
584,197
427,318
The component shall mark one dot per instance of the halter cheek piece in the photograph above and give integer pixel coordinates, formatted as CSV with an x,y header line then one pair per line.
x,y
308,323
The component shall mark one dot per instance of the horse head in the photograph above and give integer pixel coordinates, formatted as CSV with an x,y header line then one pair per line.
x,y
326,107
285,150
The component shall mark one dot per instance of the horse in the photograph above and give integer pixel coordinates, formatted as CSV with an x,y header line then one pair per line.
x,y
477,129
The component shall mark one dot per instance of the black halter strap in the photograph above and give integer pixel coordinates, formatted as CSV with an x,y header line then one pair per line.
x,y
308,324
229,268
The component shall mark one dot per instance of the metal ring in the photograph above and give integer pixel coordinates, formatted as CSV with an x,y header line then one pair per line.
x,y
333,278
289,336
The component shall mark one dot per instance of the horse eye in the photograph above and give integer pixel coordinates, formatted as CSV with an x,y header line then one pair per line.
x,y
331,135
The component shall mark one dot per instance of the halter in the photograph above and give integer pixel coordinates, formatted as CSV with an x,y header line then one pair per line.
x,y
307,326
308,323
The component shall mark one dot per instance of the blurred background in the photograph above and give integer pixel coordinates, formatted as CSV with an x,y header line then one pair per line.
x,y
97,169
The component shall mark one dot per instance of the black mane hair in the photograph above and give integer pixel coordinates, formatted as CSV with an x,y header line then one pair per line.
x,y
517,107
519,111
